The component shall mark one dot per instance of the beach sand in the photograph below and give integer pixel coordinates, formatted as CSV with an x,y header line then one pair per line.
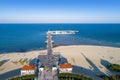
x,y
86,59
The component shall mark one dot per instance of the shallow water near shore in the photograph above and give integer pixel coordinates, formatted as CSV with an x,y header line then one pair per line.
x,y
25,37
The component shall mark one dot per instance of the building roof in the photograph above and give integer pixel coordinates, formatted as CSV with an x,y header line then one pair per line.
x,y
66,65
28,67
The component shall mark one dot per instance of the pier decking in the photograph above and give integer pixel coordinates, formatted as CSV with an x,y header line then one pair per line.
x,y
63,32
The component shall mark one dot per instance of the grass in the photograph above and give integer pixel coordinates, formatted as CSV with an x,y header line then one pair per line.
x,y
25,77
114,67
69,76
112,77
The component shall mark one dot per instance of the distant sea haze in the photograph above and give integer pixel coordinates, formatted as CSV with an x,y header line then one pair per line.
x,y
25,37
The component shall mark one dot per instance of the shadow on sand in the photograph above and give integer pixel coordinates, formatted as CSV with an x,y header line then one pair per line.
x,y
105,63
86,72
83,71
10,74
14,73
4,61
32,61
63,60
93,66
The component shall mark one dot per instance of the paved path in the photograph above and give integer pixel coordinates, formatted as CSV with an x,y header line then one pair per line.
x,y
46,75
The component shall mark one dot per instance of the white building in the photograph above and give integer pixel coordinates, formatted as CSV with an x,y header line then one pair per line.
x,y
54,70
65,68
41,70
28,69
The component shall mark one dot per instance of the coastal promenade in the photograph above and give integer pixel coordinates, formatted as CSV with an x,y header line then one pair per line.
x,y
47,75
86,59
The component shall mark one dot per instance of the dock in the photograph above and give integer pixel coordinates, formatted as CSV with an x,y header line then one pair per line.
x,y
62,32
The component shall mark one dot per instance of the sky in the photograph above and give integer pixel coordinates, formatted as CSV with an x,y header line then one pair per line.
x,y
59,11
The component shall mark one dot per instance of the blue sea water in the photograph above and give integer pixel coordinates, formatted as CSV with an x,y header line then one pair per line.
x,y
25,37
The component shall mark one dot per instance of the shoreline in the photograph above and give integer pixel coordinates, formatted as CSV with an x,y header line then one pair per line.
x,y
32,50
38,49
90,57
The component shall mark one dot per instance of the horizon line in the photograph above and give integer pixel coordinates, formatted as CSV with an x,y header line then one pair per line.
x,y
60,23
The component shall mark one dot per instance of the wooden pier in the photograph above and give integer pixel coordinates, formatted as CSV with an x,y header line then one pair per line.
x,y
63,32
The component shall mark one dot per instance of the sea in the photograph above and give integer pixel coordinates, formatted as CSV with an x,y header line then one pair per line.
x,y
27,37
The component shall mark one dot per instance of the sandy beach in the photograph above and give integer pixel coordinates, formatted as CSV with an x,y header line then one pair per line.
x,y
86,58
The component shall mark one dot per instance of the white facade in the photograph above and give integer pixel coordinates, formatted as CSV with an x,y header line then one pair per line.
x,y
65,70
41,69
54,70
27,72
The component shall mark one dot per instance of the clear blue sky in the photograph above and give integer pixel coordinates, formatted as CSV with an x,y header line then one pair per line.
x,y
59,11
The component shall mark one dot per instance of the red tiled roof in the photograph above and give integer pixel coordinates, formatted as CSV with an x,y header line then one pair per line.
x,y
28,67
66,65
